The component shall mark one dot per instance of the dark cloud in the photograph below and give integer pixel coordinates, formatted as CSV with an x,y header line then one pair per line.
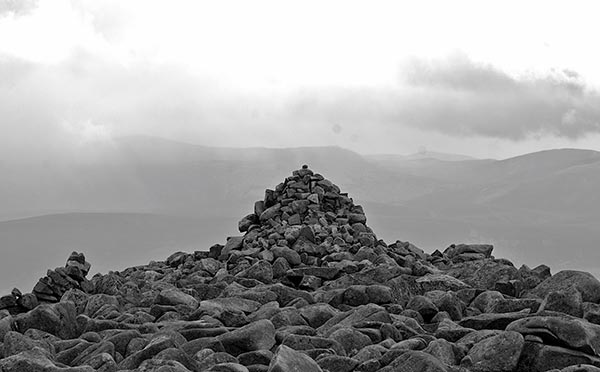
x,y
458,97
17,7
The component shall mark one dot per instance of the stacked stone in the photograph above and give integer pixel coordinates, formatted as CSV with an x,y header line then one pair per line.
x,y
307,206
307,234
17,302
58,281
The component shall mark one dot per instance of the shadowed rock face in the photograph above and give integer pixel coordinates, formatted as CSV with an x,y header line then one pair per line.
x,y
307,287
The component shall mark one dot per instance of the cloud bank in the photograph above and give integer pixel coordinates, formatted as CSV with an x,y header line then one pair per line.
x,y
66,86
54,107
460,97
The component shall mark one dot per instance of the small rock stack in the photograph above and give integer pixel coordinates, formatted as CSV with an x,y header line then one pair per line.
x,y
16,302
58,281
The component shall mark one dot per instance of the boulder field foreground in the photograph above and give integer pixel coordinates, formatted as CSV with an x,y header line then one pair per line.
x,y
308,287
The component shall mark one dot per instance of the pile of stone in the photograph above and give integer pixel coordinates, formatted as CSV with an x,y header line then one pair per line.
x,y
309,287
58,281
52,287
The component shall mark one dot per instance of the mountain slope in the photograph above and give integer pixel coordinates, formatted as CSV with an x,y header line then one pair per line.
x,y
43,241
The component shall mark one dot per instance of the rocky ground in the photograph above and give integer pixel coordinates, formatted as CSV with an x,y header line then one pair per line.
x,y
308,287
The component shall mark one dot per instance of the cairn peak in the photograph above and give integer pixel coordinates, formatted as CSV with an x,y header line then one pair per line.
x,y
306,207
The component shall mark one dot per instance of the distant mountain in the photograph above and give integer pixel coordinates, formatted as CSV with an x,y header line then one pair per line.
x,y
151,175
421,155
543,203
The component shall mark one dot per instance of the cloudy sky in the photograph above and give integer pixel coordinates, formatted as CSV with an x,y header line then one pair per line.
x,y
469,77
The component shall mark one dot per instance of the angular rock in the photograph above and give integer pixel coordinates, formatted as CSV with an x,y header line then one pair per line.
x,y
423,306
492,321
290,255
156,345
484,274
370,312
317,314
416,361
302,342
451,331
15,343
442,350
485,250
35,360
537,357
287,359
57,319
499,353
234,243
337,363
577,334
259,335
351,340
176,297
442,282
584,282
567,302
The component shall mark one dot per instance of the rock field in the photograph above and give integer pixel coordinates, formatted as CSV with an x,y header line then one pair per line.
x,y
308,287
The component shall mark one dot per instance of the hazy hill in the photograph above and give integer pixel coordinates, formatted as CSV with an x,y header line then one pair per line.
x,y
113,241
421,155
143,197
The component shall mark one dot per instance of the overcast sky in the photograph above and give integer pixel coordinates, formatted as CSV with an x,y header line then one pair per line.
x,y
468,77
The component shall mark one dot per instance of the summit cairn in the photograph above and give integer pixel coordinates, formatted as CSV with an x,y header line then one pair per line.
x,y
307,231
309,214
310,288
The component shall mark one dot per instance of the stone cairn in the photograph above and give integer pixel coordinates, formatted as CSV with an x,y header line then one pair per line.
x,y
308,287
52,287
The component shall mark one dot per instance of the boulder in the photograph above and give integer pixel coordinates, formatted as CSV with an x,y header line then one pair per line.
x,y
287,359
416,361
492,320
176,297
317,314
303,342
157,344
259,335
442,282
351,339
468,251
442,350
499,353
423,306
35,360
57,319
567,302
576,334
448,330
566,280
261,271
484,274
337,363
537,357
